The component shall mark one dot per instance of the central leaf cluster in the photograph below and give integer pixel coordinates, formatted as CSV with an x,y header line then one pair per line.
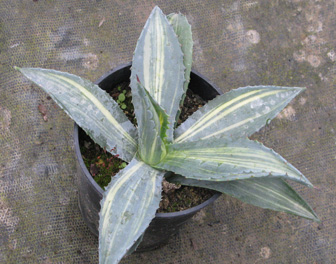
x,y
152,130
158,83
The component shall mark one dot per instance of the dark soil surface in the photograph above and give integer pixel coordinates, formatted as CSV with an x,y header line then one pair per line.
x,y
102,165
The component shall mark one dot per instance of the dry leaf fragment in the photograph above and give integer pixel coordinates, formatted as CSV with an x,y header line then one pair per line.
x,y
43,111
101,22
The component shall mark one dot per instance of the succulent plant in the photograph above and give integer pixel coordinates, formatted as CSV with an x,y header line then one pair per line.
x,y
211,149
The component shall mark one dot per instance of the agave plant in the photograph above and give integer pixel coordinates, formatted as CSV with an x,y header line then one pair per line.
x,y
210,149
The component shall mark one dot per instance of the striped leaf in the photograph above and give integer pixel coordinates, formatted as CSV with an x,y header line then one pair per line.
x,y
268,193
182,29
152,126
224,160
128,206
90,107
158,62
236,114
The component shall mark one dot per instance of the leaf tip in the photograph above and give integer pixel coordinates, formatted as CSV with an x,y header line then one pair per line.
x,y
316,219
156,8
309,184
301,89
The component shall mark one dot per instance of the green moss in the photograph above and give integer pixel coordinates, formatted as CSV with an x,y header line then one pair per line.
x,y
101,164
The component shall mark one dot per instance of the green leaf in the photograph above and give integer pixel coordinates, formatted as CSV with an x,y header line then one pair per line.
x,y
90,107
236,114
225,160
128,206
183,31
158,63
121,97
152,126
268,193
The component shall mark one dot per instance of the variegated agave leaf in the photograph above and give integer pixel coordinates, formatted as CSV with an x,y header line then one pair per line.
x,y
226,160
158,62
182,29
236,114
128,206
152,126
90,107
267,193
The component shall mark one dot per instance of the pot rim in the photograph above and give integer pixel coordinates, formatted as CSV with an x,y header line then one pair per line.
x,y
95,184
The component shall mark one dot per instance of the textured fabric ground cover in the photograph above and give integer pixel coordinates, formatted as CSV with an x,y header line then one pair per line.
x,y
237,43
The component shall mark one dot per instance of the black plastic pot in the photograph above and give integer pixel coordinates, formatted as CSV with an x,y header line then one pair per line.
x,y
90,193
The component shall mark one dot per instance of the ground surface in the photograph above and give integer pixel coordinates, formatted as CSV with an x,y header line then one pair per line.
x,y
236,43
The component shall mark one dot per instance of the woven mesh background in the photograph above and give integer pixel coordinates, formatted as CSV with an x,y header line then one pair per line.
x,y
291,43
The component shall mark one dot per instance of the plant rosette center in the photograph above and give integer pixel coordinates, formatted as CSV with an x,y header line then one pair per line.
x,y
102,165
